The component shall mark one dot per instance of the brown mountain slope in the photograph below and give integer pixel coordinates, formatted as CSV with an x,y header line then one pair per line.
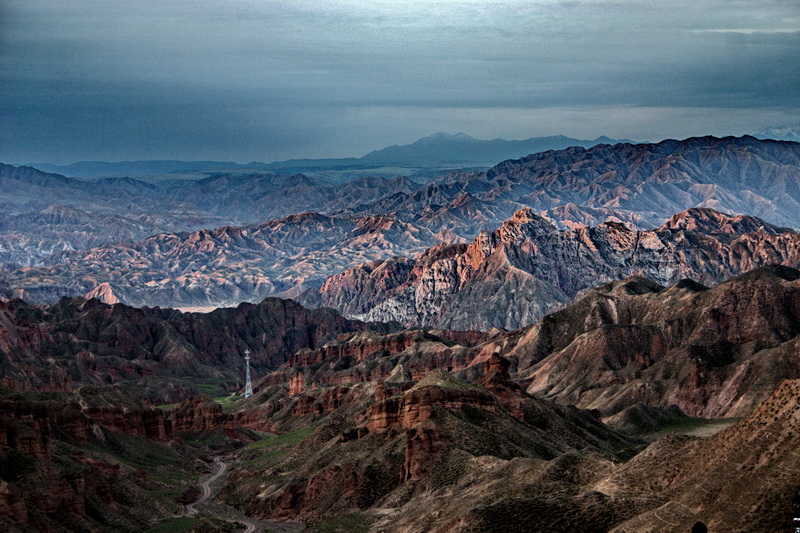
x,y
163,352
447,455
713,352
745,478
527,267
383,447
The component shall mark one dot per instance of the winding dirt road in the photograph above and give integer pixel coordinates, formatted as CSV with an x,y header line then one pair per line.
x,y
217,472
220,467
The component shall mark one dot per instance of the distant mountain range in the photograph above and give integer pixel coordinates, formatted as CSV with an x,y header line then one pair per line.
x,y
222,267
42,213
440,150
374,219
526,268
642,184
779,133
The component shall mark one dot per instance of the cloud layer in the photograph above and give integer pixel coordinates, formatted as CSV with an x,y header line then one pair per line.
x,y
267,80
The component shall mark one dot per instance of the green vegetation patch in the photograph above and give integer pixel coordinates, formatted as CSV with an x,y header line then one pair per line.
x,y
271,449
214,388
227,402
284,441
175,525
345,523
204,439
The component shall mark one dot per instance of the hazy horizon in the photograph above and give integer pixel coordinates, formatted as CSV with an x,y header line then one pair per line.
x,y
269,81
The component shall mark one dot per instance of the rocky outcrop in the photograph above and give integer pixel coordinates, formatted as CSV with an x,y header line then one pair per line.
x,y
199,413
416,406
497,380
26,427
105,293
515,275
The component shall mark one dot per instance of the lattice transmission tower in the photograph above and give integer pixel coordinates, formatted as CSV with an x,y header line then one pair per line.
x,y
248,388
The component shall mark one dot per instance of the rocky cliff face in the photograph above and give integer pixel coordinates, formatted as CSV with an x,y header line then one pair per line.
x,y
515,275
712,352
79,461
406,440
87,342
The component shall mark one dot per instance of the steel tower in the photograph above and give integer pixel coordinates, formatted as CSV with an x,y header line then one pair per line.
x,y
248,388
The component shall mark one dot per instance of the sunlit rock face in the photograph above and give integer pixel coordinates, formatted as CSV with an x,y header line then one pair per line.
x,y
513,276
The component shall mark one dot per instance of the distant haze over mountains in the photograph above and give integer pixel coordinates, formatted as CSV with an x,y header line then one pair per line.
x,y
440,150
779,133
61,236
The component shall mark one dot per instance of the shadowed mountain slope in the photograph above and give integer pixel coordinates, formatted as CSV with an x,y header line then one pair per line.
x,y
162,352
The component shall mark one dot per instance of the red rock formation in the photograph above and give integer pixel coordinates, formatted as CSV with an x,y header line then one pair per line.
x,y
150,423
200,413
104,293
323,401
12,506
26,426
424,445
297,384
497,380
418,404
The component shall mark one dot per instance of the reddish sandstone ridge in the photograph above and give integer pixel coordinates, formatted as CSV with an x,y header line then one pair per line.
x,y
398,440
417,405
497,380
199,413
77,342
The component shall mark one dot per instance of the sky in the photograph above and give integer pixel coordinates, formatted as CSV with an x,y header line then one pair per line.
x,y
245,80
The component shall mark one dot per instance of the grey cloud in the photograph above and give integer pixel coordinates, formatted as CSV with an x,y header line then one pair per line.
x,y
270,80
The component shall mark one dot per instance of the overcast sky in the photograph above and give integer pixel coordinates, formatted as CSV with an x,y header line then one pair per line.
x,y
266,80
